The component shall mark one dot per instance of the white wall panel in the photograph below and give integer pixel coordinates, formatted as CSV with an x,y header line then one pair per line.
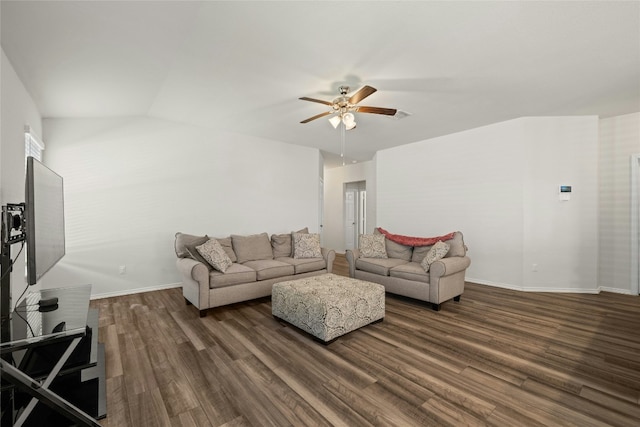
x,y
498,185
132,183
469,181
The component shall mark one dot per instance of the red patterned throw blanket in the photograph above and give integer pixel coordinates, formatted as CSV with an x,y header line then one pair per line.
x,y
415,241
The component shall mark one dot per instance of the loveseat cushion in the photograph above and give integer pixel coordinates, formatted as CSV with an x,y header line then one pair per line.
x,y
235,275
270,268
456,245
410,271
379,266
252,248
419,252
456,248
396,250
304,265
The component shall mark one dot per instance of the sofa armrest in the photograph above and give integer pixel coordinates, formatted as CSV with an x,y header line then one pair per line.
x,y
329,256
449,266
195,282
352,256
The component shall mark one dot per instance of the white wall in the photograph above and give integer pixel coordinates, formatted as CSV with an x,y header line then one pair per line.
x,y
335,180
132,183
498,184
619,140
17,110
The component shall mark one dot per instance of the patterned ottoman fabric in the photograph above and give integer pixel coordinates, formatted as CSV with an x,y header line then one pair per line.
x,y
328,306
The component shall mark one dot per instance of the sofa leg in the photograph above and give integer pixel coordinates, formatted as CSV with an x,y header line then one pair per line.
x,y
186,301
203,313
435,306
457,298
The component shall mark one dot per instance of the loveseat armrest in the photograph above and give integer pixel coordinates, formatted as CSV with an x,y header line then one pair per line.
x,y
195,282
449,266
446,279
352,256
329,256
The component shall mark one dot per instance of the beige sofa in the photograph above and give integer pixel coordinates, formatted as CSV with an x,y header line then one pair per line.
x,y
401,273
258,263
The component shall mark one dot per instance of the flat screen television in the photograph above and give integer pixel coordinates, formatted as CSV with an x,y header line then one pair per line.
x,y
44,214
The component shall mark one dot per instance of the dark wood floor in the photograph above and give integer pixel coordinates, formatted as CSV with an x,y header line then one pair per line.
x,y
498,357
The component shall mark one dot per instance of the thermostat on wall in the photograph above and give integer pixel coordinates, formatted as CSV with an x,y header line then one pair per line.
x,y
565,192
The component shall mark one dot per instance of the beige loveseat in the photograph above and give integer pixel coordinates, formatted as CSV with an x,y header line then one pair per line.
x,y
258,263
401,272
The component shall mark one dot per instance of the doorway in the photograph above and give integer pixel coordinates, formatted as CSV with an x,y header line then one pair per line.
x,y
355,212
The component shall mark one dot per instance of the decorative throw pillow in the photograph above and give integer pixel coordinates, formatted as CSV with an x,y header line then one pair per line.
x,y
437,251
215,255
372,246
306,245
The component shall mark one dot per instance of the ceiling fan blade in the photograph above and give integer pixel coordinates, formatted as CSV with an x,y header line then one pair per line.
x,y
319,101
377,110
361,94
317,116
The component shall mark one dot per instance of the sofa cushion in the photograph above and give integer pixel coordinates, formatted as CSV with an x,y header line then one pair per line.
x,y
437,251
379,266
304,265
182,240
252,248
396,250
419,252
235,275
215,255
372,246
457,246
270,268
281,245
306,245
410,271
228,248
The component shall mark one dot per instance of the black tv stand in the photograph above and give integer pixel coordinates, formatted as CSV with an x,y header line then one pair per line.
x,y
58,377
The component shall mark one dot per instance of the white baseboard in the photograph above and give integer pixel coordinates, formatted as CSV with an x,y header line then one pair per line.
x,y
136,291
556,290
615,290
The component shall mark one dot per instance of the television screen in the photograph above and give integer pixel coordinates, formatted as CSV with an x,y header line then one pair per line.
x,y
44,211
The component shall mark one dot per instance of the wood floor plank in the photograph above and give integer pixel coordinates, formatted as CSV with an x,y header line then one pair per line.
x,y
498,357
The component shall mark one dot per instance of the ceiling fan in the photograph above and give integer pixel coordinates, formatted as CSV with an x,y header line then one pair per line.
x,y
343,107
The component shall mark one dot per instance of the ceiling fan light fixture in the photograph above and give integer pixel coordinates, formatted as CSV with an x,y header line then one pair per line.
x,y
335,121
349,121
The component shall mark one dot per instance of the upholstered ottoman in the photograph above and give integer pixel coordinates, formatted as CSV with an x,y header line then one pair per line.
x,y
328,306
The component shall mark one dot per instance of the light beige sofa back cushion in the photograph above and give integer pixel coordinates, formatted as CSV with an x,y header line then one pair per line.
x,y
252,248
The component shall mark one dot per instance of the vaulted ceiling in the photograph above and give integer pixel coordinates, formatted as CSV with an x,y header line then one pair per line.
x,y
241,66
